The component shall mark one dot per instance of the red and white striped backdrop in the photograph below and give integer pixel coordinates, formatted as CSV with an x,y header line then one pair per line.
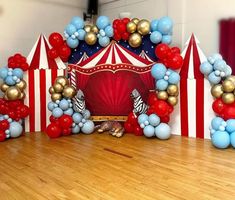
x,y
193,114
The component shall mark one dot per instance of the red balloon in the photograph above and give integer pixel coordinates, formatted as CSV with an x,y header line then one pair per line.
x,y
4,125
175,50
24,66
170,108
24,111
116,22
2,135
176,61
161,108
126,20
64,51
152,98
128,127
4,109
66,121
66,131
117,37
53,130
229,112
138,131
56,40
52,53
165,119
125,35
132,119
121,27
218,106
12,114
53,119
162,50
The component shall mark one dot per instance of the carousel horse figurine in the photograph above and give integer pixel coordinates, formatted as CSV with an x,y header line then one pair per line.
x,y
113,127
139,106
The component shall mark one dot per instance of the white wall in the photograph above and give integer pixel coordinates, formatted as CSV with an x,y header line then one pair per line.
x,y
198,16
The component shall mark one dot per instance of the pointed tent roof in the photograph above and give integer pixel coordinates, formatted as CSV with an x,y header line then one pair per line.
x,y
193,57
38,57
114,54
84,57
145,56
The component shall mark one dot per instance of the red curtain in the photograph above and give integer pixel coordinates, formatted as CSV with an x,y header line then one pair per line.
x,y
227,41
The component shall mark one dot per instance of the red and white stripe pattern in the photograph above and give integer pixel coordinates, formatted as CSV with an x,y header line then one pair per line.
x,y
145,56
113,57
40,76
84,57
193,114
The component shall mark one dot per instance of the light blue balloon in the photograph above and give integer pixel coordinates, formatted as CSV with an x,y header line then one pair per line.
x,y
227,70
154,120
104,41
148,131
219,65
142,118
156,37
230,125
109,31
213,79
174,78
69,112
72,43
81,34
153,25
77,22
166,39
15,129
9,80
220,139
76,129
165,25
217,56
51,106
77,118
3,72
158,71
216,123
88,127
18,72
86,114
70,29
163,131
57,112
232,139
102,22
206,68
161,84
64,104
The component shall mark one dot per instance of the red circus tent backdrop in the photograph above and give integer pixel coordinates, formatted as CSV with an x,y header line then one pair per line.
x,y
145,56
108,77
40,76
193,114
84,57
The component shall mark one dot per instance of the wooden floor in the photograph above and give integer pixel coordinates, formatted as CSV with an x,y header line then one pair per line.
x,y
103,167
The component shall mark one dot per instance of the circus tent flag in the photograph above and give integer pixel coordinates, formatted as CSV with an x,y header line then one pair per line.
x,y
193,113
41,74
113,68
84,57
145,56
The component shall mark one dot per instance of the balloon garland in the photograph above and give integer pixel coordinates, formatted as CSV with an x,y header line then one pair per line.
x,y
12,108
64,119
223,90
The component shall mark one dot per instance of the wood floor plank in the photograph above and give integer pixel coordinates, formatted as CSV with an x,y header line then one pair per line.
x,y
100,166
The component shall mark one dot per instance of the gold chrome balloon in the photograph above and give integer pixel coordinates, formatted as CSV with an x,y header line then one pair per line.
x,y
87,28
131,27
143,27
22,95
135,20
94,29
228,86
51,90
56,96
228,98
172,100
90,38
162,95
173,90
231,78
21,85
13,93
62,80
4,87
58,88
135,40
69,92
217,91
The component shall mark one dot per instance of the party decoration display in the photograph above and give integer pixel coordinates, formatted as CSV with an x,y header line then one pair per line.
x,y
18,61
122,28
59,47
113,127
161,30
132,126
